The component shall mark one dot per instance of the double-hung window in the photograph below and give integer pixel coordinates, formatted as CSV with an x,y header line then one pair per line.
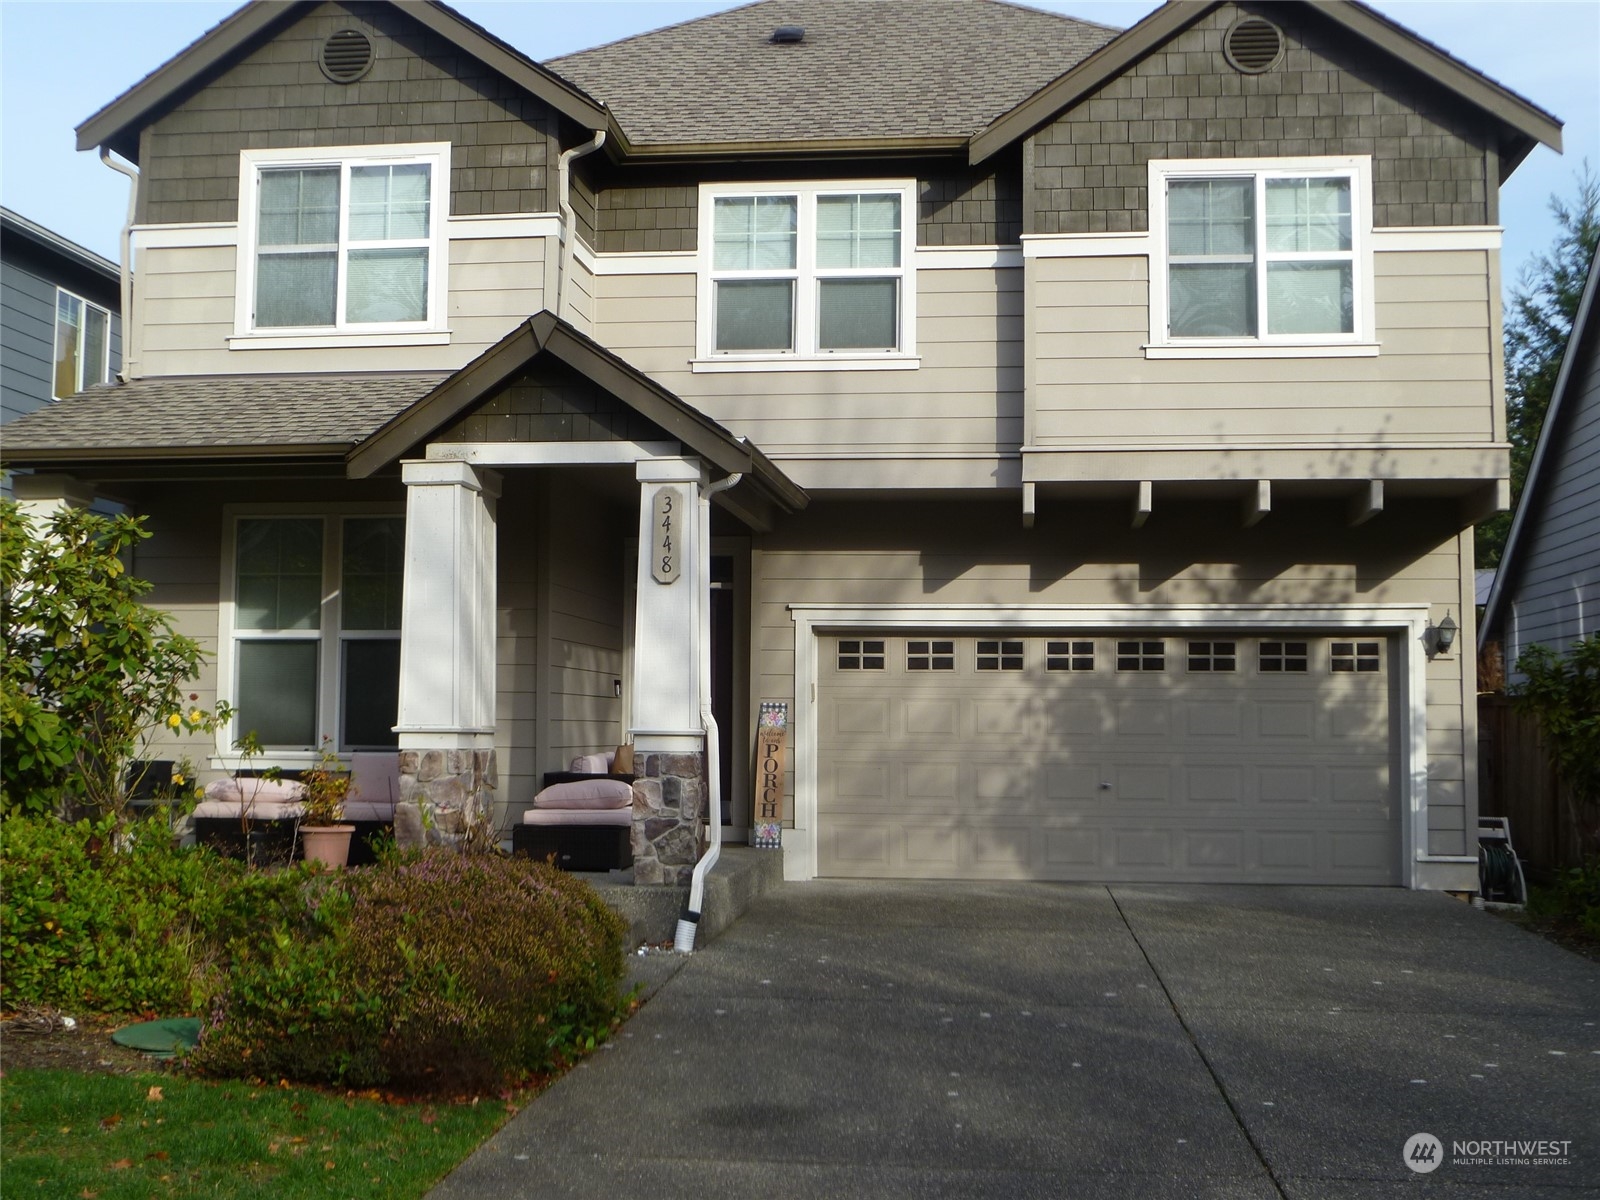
x,y
814,273
343,242
83,345
313,635
1269,254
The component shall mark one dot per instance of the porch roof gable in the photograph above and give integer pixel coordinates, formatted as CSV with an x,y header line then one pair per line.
x,y
545,334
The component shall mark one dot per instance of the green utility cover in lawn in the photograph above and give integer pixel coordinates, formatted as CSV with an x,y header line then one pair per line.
x,y
160,1038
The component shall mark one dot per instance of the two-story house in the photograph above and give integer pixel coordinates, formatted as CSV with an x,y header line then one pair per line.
x,y
60,324
1080,432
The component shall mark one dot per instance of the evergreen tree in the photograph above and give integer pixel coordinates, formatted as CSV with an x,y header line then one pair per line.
x,y
1538,323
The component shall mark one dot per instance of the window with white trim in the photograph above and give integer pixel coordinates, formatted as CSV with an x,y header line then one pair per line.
x,y
1269,253
343,241
314,629
83,345
807,271
858,655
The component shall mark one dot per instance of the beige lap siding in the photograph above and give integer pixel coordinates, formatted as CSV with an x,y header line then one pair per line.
x,y
966,395
184,312
1431,382
977,554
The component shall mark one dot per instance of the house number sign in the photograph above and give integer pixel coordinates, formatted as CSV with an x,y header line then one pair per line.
x,y
664,543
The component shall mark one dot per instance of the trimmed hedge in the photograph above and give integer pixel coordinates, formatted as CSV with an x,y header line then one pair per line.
x,y
441,970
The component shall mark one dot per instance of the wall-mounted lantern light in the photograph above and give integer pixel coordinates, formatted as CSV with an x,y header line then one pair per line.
x,y
1444,634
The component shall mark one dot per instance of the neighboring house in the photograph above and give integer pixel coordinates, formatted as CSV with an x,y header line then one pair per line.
x,y
1080,432
1547,590
59,326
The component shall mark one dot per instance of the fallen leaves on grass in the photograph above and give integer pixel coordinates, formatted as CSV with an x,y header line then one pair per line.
x,y
122,1164
111,1122
154,1094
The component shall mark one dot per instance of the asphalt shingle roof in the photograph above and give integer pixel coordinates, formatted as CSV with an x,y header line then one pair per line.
x,y
196,412
866,69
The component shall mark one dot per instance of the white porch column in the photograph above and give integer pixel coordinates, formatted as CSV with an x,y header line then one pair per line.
x,y
669,742
446,723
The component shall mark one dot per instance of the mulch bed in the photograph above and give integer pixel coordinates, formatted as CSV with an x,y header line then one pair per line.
x,y
24,1046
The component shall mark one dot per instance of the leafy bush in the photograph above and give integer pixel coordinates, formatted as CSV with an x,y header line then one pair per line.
x,y
1573,896
1563,693
94,917
437,970
88,670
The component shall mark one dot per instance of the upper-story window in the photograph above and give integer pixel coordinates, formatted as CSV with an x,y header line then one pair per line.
x,y
83,345
807,272
1264,254
346,241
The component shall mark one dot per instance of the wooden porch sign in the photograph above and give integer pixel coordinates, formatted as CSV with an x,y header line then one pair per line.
x,y
772,745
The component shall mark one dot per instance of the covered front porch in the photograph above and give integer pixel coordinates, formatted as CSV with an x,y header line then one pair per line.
x,y
569,591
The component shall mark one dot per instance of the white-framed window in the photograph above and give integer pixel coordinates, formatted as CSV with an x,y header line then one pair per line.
x,y
83,345
1069,656
1271,255
922,655
1000,655
311,628
345,243
819,274
856,654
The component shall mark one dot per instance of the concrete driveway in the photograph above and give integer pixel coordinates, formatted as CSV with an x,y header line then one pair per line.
x,y
1036,1040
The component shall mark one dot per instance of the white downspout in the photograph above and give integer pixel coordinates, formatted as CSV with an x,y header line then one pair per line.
x,y
564,200
690,921
128,358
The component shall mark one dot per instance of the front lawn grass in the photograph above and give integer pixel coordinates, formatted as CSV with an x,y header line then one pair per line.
x,y
68,1134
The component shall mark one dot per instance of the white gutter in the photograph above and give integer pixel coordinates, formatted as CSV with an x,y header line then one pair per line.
x,y
690,921
126,314
564,199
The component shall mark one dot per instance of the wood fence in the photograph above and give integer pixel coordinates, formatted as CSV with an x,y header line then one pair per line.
x,y
1516,780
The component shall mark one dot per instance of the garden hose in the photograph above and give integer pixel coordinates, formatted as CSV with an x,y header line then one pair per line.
x,y
1497,870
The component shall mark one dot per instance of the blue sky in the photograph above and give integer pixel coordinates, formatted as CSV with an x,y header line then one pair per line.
x,y
61,61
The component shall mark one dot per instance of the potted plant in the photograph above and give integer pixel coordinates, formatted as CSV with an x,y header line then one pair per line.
x,y
326,787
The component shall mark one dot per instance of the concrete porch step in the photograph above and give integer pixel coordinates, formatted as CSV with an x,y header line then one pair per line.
x,y
652,913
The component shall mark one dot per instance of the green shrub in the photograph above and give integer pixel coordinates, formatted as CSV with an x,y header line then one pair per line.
x,y
1574,895
438,970
97,918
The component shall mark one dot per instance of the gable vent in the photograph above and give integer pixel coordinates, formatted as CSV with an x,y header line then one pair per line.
x,y
1253,45
346,56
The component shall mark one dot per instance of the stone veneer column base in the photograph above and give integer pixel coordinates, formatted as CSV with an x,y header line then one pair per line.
x,y
668,809
446,798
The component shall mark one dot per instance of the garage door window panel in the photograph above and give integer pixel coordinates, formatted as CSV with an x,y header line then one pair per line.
x,y
930,656
1213,657
861,655
1141,656
1069,656
1000,656
1278,658
1364,658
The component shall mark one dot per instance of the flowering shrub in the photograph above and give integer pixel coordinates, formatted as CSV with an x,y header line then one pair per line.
x,y
88,669
435,970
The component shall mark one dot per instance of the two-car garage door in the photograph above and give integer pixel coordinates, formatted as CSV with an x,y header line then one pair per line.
x,y
1138,756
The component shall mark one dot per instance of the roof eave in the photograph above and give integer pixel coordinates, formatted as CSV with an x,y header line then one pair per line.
x,y
113,124
792,148
16,224
1523,123
1585,328
1071,85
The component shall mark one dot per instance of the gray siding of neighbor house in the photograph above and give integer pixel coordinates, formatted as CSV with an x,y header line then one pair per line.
x,y
955,206
1557,595
421,88
28,330
1087,169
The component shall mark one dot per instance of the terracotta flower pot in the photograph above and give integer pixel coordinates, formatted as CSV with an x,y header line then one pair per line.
x,y
327,844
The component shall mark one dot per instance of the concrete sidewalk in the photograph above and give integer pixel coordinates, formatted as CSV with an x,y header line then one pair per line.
x,y
1017,1040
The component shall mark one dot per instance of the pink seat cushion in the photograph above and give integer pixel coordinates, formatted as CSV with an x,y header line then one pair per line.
x,y
255,791
578,816
586,794
592,764
260,810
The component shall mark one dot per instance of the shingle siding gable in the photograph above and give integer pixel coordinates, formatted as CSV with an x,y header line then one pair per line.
x,y
1087,168
421,88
